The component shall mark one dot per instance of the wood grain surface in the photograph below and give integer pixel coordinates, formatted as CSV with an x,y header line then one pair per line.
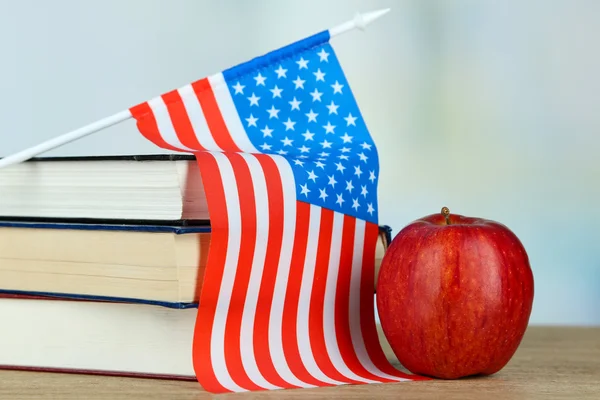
x,y
551,363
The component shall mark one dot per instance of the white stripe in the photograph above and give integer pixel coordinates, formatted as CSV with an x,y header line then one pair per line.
x,y
165,125
329,303
197,119
217,351
283,272
258,263
230,114
308,274
355,282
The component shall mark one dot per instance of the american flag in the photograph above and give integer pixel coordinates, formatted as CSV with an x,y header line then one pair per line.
x,y
290,173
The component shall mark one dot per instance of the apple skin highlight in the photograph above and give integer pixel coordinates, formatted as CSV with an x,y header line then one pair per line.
x,y
454,295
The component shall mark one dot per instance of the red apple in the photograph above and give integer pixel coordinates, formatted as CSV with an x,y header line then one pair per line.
x,y
454,295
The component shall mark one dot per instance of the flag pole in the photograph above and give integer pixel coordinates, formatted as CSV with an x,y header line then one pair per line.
x,y
360,21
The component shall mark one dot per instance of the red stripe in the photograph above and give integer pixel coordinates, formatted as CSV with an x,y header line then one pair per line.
x,y
367,313
232,349
317,335
290,311
342,303
209,294
271,264
181,121
146,124
212,113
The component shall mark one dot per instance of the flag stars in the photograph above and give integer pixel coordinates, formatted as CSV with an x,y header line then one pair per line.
x,y
370,208
349,186
308,135
282,152
343,157
302,63
339,167
253,100
273,112
295,104
289,124
337,87
319,76
323,155
312,176
355,204
339,200
357,171
319,164
363,157
316,95
346,138
299,83
280,72
332,108
267,131
265,146
345,150
287,141
350,120
260,80
365,146
332,181
326,144
312,116
329,128
239,88
304,149
323,55
322,194
276,91
372,176
363,190
304,189
251,120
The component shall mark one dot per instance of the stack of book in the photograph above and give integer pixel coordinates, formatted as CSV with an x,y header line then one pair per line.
x,y
101,264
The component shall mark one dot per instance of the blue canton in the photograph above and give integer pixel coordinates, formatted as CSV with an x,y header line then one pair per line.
x,y
301,107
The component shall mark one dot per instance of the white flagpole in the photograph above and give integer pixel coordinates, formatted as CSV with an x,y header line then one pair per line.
x,y
360,21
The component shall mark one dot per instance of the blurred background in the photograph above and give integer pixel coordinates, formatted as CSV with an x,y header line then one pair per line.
x,y
487,107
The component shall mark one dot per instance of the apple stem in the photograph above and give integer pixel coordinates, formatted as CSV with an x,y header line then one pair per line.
x,y
446,213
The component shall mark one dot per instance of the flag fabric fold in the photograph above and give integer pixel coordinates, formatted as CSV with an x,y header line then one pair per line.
x,y
290,173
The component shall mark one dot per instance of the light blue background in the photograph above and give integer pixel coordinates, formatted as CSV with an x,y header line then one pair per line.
x,y
488,107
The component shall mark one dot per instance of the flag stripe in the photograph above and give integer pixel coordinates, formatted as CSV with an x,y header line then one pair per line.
x,y
164,123
197,119
148,127
227,109
180,120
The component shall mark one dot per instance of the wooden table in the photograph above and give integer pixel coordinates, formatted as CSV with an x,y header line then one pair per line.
x,y
552,363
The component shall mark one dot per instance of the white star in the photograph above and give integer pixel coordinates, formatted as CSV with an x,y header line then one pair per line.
x,y
289,124
312,116
332,108
282,152
281,72
295,104
355,204
340,167
357,171
320,76
366,146
302,63
323,55
308,135
273,112
372,176
345,150
276,92
316,95
349,186
350,120
332,181
329,128
363,190
322,194
362,157
286,141
304,149
298,162
267,131
319,164
339,200
323,154
346,138
299,83
253,100
239,89
370,208
260,80
304,190
337,88
343,157
303,156
312,176
265,146
251,120
326,144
